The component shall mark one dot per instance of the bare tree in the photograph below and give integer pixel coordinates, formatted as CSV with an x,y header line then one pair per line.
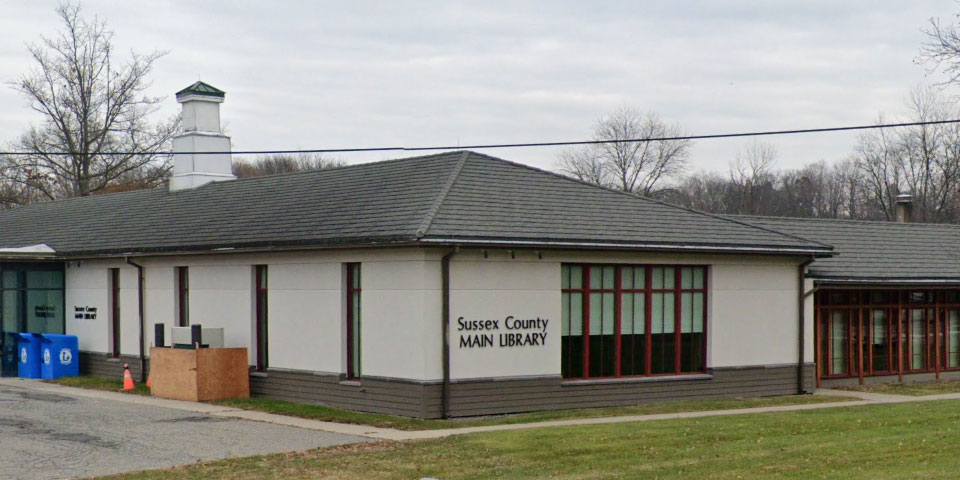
x,y
583,164
752,176
941,48
283,163
95,130
923,160
638,166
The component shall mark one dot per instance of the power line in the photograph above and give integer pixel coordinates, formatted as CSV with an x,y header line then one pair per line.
x,y
525,145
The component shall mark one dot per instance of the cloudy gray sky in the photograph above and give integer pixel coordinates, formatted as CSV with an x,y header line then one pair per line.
x,y
311,74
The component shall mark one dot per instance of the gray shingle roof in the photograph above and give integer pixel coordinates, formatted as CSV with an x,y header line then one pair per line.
x,y
456,196
877,251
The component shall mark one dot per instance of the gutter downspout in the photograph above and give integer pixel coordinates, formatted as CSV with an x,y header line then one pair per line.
x,y
143,357
801,311
445,275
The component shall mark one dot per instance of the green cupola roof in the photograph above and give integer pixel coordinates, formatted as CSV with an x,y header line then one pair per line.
x,y
201,88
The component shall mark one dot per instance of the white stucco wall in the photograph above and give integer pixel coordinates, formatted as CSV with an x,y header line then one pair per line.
x,y
752,313
306,323
87,285
495,288
752,308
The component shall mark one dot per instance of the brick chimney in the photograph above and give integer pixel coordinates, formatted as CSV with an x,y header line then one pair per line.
x,y
201,133
904,208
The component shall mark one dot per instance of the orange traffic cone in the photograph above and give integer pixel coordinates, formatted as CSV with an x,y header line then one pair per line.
x,y
148,381
127,378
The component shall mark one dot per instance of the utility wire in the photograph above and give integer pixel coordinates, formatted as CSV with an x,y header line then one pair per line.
x,y
524,145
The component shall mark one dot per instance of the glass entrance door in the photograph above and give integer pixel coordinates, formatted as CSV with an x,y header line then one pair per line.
x,y
31,300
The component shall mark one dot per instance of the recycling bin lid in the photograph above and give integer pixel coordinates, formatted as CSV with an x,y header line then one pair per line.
x,y
54,336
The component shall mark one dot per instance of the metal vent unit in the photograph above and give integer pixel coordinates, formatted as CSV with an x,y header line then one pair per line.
x,y
182,337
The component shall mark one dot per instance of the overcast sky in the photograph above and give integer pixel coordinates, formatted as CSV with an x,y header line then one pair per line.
x,y
311,74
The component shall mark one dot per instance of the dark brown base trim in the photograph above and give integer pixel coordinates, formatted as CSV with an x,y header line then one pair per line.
x,y
492,396
105,366
376,395
873,380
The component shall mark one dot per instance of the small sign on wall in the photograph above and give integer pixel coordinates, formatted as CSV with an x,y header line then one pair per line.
x,y
84,313
509,332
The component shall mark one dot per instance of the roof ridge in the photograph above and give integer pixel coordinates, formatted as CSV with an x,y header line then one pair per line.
x,y
444,191
845,220
759,227
652,200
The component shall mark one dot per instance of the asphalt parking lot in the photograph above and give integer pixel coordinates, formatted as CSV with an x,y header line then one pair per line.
x,y
45,435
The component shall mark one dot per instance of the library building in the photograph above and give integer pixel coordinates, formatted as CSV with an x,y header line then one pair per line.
x,y
460,284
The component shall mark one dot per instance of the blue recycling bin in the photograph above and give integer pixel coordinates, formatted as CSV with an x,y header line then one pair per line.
x,y
59,356
28,355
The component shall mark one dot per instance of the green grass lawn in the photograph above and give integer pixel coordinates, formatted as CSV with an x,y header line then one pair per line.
x,y
341,415
96,383
913,389
331,414
891,441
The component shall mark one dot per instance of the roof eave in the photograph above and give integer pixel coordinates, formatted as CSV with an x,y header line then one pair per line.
x,y
818,252
868,281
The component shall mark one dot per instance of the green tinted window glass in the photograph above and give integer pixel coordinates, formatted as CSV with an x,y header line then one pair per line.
x,y
45,311
668,278
698,278
608,273
596,313
626,313
698,315
576,314
9,279
626,278
608,314
639,313
44,279
565,314
669,306
565,277
686,312
576,276
686,278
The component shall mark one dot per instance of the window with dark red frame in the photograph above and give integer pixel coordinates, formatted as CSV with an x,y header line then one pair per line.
x,y
183,296
883,332
353,321
115,312
261,318
632,320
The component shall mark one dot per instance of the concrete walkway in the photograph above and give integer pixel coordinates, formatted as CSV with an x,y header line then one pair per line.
x,y
58,433
862,398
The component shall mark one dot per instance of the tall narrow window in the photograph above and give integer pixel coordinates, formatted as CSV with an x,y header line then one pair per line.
x,y
663,336
880,343
952,341
838,342
183,296
692,315
626,320
115,312
353,321
261,318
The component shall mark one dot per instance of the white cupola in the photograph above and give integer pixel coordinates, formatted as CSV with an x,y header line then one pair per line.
x,y
201,133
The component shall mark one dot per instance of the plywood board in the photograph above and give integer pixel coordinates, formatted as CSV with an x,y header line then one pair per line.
x,y
173,373
222,373
199,375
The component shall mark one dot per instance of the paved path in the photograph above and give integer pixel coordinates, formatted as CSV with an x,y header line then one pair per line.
x,y
48,431
219,418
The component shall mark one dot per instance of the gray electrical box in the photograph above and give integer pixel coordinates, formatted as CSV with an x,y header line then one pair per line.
x,y
209,337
